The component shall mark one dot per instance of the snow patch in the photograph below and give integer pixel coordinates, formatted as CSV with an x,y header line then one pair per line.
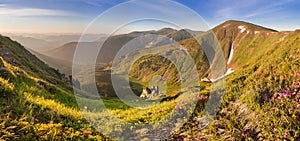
x,y
229,71
256,32
230,54
242,28
248,31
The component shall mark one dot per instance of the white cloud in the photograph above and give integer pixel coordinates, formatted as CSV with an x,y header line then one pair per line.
x,y
7,11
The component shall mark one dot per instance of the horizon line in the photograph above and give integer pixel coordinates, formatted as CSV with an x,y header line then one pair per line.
x,y
139,30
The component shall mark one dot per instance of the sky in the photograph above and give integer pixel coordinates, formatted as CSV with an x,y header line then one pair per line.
x,y
74,16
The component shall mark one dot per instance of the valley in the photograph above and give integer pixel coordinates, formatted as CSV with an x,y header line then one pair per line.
x,y
259,65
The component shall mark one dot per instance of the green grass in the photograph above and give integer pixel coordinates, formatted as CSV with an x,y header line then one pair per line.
x,y
34,109
248,105
37,106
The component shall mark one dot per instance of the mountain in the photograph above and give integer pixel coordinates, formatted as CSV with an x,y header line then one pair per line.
x,y
260,101
43,43
261,91
237,44
231,33
110,46
65,52
113,44
261,86
34,43
64,66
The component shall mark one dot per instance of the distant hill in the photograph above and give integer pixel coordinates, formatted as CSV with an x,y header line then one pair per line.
x,y
34,43
63,65
113,44
42,43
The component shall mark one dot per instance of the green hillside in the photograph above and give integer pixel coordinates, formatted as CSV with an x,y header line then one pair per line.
x,y
242,36
262,95
261,100
35,103
17,55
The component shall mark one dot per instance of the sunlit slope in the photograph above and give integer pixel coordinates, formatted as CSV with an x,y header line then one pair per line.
x,y
246,39
262,96
35,104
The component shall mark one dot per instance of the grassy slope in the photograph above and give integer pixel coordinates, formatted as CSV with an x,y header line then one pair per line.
x,y
228,33
249,110
265,64
38,110
40,107
34,107
35,104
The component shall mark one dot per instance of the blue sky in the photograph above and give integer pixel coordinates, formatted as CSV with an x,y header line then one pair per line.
x,y
73,16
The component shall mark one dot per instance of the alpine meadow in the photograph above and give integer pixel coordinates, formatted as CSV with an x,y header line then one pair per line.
x,y
44,97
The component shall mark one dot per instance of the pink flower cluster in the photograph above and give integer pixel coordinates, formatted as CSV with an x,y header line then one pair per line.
x,y
35,119
286,135
157,112
3,69
244,135
200,98
295,84
282,95
294,93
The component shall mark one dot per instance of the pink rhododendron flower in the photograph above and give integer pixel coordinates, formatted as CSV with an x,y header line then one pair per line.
x,y
200,98
286,134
